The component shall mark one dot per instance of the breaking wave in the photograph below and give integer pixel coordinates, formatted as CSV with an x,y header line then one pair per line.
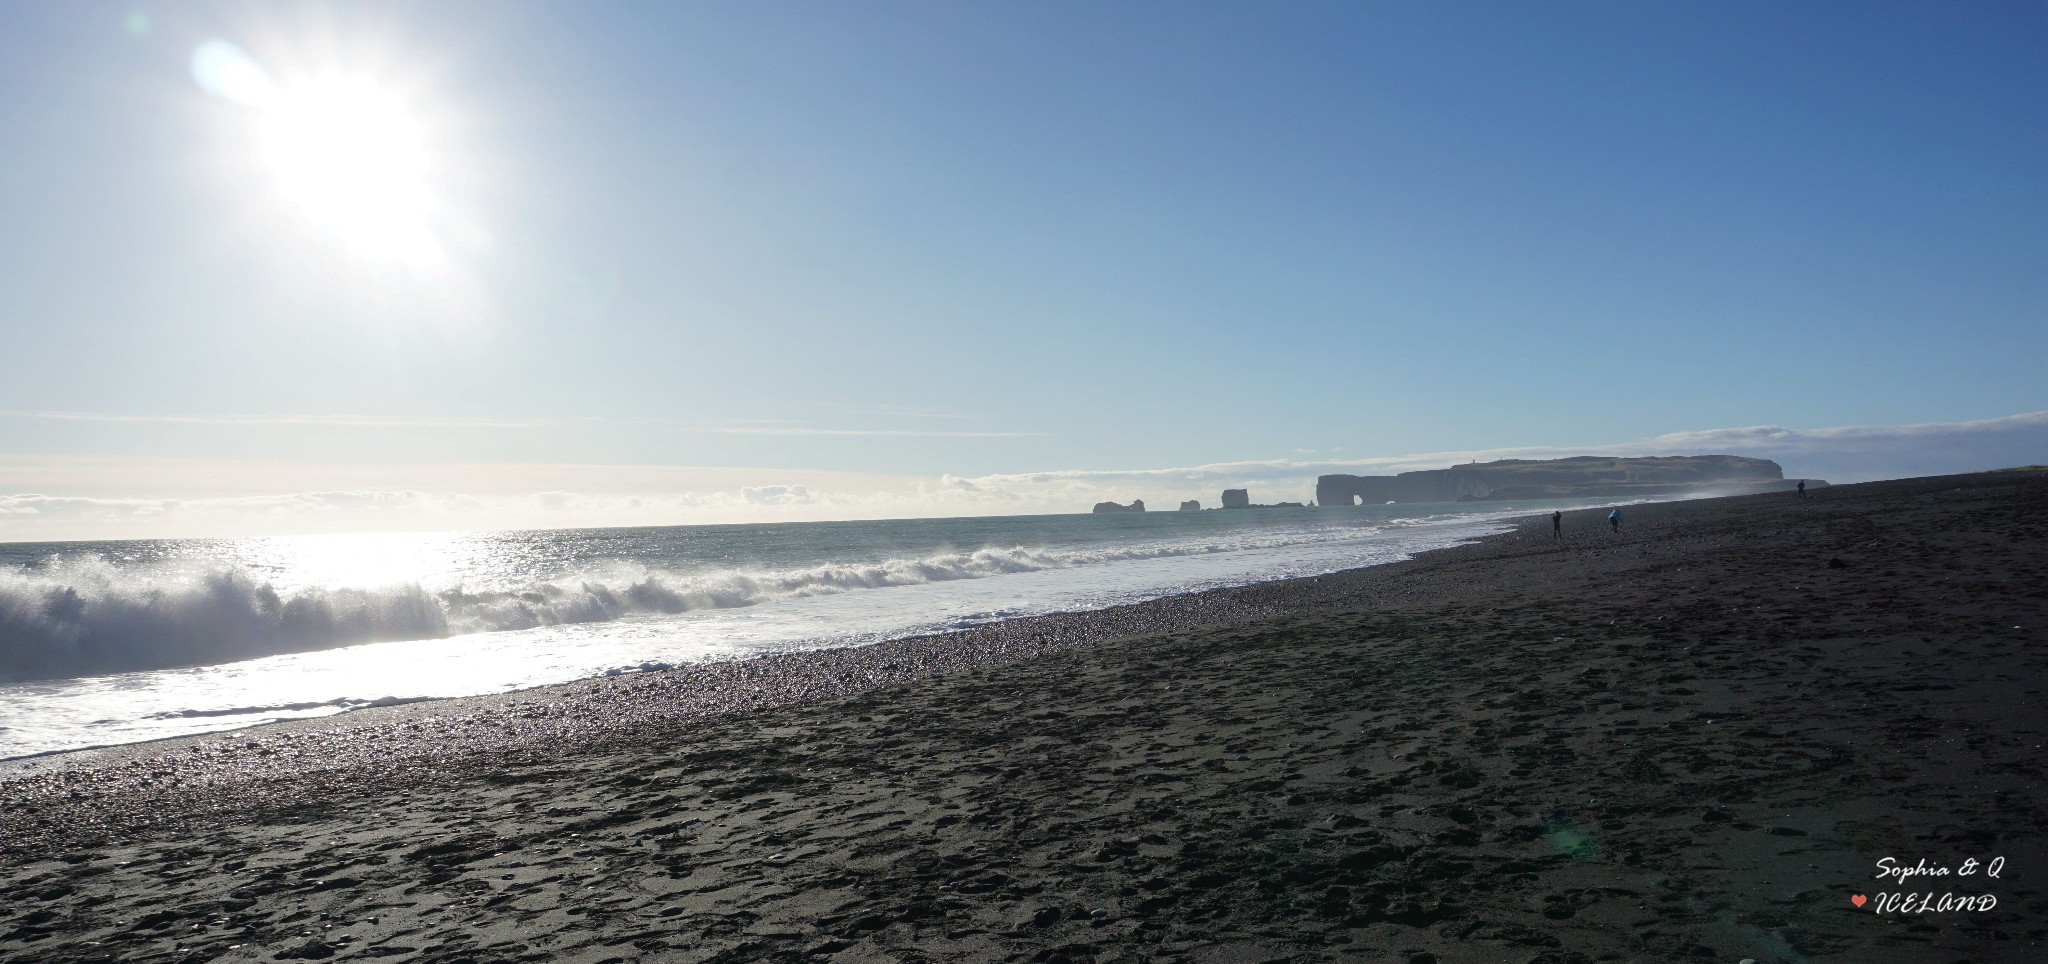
x,y
87,616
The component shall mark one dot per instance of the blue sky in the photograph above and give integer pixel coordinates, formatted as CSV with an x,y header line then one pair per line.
x,y
908,242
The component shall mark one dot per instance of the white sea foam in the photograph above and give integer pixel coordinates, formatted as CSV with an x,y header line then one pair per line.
x,y
84,615
121,642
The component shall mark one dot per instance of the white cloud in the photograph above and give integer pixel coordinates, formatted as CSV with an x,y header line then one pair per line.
x,y
141,498
760,426
777,495
858,432
292,421
50,506
294,511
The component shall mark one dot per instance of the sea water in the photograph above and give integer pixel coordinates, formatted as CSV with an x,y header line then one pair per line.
x,y
118,642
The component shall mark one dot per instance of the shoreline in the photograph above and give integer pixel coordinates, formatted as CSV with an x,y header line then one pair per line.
x,y
1696,734
27,763
1162,614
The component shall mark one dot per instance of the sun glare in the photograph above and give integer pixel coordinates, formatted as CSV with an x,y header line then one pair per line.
x,y
345,152
352,158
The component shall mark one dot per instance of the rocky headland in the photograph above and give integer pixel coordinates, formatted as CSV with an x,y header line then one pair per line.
x,y
1676,476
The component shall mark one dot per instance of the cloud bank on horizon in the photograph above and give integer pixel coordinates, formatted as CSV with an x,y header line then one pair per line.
x,y
488,496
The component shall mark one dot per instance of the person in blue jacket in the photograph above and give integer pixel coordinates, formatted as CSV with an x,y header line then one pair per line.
x,y
1614,519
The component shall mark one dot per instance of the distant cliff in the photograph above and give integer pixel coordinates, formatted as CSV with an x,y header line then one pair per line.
x,y
1559,479
1137,505
1191,505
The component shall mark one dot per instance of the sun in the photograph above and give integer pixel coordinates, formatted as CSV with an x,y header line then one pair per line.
x,y
346,151
354,160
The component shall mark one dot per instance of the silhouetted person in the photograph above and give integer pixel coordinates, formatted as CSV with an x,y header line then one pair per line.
x,y
1614,519
1802,488
1557,525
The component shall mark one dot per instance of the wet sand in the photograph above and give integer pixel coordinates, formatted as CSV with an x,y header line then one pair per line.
x,y
1692,740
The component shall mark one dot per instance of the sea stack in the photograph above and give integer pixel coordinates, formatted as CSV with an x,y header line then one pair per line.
x,y
1237,498
1191,505
1137,505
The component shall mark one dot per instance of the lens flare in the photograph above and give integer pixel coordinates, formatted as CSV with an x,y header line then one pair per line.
x,y
223,70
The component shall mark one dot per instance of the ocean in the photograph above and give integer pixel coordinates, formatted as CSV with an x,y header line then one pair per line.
x,y
109,643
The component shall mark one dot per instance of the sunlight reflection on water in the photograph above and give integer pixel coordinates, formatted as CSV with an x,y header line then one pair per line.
x,y
566,605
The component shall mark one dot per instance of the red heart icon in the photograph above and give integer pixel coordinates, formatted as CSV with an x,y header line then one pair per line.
x,y
1857,899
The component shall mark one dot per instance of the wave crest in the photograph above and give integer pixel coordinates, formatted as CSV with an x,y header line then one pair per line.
x,y
88,616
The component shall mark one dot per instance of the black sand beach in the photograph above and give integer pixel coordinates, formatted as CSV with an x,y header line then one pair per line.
x,y
1693,740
